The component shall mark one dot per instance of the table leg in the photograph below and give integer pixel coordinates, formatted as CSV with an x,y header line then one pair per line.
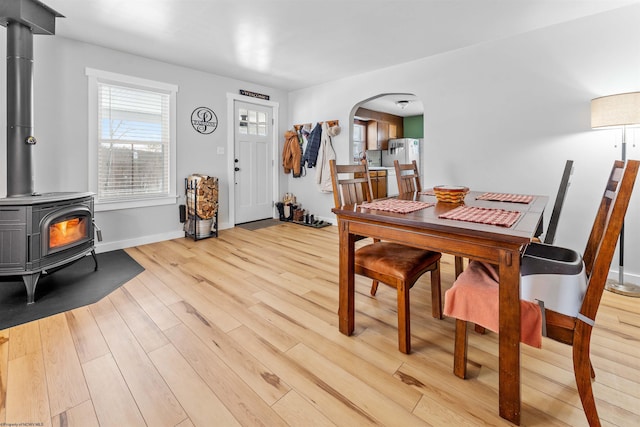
x,y
346,297
509,337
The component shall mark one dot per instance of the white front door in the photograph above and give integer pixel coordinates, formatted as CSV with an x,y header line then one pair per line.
x,y
253,162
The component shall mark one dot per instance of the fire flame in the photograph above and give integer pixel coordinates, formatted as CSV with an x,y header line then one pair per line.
x,y
66,232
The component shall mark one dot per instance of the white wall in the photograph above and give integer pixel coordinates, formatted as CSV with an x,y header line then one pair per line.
x,y
505,115
60,116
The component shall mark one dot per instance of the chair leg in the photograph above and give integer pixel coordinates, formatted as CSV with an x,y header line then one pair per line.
x,y
458,265
479,329
374,288
460,350
436,293
404,319
583,370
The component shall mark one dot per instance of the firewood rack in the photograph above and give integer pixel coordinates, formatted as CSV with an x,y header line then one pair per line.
x,y
201,193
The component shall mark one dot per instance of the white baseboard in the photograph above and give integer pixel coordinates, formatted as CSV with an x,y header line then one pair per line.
x,y
143,240
628,278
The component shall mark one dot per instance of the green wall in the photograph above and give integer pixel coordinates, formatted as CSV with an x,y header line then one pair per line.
x,y
413,127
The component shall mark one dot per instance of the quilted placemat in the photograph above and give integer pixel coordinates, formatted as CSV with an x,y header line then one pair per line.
x,y
505,197
499,217
396,205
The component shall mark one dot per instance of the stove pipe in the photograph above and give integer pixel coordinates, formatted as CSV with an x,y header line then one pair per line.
x,y
20,140
23,18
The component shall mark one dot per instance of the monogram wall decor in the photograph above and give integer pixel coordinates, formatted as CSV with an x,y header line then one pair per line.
x,y
204,120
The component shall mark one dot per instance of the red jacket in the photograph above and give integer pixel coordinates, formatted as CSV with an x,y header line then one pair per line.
x,y
291,153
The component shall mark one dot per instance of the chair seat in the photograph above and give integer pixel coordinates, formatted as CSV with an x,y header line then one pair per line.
x,y
404,263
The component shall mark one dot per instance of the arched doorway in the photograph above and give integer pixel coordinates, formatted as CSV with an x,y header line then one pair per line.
x,y
398,109
387,127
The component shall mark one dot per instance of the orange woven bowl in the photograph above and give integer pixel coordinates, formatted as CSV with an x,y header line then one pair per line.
x,y
450,193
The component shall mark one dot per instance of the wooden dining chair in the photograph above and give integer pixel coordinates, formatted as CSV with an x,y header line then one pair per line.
x,y
408,177
393,264
573,329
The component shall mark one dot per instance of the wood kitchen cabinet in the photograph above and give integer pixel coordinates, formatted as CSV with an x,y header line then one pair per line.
x,y
383,135
380,127
372,135
393,131
378,134
378,182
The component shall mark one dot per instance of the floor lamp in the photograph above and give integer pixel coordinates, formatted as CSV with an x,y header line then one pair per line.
x,y
618,111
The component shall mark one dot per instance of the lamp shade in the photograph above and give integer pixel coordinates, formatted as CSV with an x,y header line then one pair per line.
x,y
616,110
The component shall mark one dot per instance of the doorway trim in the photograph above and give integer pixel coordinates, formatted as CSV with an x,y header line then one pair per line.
x,y
231,98
359,104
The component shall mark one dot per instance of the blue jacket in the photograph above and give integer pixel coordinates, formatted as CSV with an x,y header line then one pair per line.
x,y
313,146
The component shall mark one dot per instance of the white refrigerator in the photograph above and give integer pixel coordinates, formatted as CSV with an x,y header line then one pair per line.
x,y
404,150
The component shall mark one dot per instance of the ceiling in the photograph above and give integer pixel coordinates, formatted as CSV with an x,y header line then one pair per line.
x,y
292,44
388,103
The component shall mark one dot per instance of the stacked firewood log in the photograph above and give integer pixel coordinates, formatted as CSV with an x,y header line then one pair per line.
x,y
202,192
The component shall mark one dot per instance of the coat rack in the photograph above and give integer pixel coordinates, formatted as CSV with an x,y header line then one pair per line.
x,y
330,123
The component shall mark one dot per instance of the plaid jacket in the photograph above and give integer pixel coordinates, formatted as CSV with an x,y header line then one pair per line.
x,y
313,146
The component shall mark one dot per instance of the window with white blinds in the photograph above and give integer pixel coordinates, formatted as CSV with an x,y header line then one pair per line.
x,y
134,140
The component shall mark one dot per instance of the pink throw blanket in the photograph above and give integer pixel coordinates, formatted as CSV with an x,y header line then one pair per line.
x,y
474,298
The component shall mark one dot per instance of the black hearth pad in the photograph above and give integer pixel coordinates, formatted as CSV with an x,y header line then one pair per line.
x,y
71,287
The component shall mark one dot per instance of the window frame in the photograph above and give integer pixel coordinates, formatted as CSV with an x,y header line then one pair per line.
x,y
94,77
363,141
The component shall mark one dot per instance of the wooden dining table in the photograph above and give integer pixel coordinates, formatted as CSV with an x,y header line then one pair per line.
x,y
499,245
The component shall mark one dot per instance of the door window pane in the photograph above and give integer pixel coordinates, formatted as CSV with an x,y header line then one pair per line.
x,y
251,122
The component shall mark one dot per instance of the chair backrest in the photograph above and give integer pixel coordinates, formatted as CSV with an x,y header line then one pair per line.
x,y
351,184
557,207
598,228
408,177
604,234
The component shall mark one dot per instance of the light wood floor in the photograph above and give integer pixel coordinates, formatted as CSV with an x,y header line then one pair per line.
x,y
242,330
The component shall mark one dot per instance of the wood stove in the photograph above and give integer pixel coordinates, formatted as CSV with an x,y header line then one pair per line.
x,y
39,233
